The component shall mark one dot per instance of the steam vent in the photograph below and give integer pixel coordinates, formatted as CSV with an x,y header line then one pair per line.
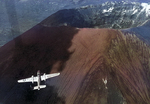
x,y
97,66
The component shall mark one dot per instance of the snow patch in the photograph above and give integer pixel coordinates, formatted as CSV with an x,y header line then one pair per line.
x,y
146,7
105,82
109,10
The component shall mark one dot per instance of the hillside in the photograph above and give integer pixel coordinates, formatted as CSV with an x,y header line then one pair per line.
x,y
96,66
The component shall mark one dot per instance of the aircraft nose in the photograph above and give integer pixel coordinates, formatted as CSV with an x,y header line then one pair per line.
x,y
38,72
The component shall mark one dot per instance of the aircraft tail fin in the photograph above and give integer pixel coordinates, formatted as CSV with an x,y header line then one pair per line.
x,y
39,87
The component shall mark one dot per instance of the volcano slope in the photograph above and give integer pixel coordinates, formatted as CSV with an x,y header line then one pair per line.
x,y
97,66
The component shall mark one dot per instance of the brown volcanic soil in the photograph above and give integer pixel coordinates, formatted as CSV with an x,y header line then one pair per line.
x,y
84,57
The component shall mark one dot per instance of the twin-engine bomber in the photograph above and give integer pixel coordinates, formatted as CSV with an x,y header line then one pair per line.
x,y
38,79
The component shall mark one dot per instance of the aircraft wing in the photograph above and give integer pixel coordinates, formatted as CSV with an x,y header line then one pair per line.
x,y
31,79
39,87
46,76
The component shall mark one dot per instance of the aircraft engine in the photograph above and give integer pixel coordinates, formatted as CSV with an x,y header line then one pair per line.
x,y
44,77
32,79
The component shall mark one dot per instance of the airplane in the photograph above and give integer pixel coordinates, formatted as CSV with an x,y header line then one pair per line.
x,y
38,79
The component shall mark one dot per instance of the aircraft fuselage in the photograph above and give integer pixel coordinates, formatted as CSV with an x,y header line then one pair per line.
x,y
39,79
